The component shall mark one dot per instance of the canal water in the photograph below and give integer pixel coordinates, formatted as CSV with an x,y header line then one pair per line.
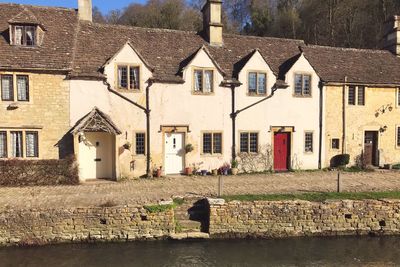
x,y
344,251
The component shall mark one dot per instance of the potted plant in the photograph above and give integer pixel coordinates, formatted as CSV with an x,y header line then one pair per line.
x,y
234,165
204,172
188,171
215,172
157,172
189,148
224,169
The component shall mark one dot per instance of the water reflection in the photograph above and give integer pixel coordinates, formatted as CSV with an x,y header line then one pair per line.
x,y
347,251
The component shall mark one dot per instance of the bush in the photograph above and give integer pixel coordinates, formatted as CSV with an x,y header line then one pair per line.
x,y
17,172
340,160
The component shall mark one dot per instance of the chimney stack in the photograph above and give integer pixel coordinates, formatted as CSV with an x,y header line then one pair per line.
x,y
85,10
391,38
212,22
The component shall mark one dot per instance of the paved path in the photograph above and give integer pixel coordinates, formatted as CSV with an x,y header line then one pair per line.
x,y
150,191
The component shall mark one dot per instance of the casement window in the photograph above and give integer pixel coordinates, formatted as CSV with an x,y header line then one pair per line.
x,y
7,88
398,97
212,143
22,88
356,95
24,35
32,144
203,81
140,143
16,144
248,142
398,136
3,144
335,143
129,77
302,85
361,96
309,142
257,83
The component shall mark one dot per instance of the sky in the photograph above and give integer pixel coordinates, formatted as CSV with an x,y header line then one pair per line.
x,y
104,5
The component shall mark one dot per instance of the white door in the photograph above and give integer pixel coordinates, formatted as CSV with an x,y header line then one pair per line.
x,y
174,153
96,156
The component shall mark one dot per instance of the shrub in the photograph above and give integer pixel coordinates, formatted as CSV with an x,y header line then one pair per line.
x,y
18,172
340,160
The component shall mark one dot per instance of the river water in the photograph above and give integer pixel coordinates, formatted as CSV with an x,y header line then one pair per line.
x,y
343,251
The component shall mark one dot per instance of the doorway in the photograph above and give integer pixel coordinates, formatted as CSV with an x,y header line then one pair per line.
x,y
281,151
174,153
371,154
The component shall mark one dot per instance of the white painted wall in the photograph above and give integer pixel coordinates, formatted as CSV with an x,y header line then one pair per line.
x,y
175,104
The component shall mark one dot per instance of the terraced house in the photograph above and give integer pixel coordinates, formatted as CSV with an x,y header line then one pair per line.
x,y
125,100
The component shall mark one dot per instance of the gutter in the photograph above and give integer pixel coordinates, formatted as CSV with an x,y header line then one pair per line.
x,y
321,120
344,116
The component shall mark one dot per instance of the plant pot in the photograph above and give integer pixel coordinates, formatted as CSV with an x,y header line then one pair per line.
x,y
235,171
225,172
157,173
188,171
204,172
215,172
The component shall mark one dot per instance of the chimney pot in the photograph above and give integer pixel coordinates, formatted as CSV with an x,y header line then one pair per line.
x,y
212,22
85,10
391,38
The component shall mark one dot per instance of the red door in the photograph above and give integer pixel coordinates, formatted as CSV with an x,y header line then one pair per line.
x,y
281,151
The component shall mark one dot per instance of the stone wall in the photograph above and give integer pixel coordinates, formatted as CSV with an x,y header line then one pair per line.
x,y
302,218
31,227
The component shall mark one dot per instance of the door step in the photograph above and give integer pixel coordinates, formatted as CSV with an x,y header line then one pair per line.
x,y
190,235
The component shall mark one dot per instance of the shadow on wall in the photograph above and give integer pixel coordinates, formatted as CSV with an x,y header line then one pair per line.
x,y
65,146
6,35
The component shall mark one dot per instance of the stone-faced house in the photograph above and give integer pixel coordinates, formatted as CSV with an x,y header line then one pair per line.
x,y
126,99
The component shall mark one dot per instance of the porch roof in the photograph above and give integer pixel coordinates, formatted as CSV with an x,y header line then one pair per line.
x,y
96,121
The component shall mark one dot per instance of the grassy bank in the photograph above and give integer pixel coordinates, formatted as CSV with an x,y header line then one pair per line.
x,y
316,197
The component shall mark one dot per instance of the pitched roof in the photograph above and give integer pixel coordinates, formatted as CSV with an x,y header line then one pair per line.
x,y
96,121
55,53
358,65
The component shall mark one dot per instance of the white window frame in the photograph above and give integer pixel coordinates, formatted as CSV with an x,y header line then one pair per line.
x,y
24,35
203,88
128,77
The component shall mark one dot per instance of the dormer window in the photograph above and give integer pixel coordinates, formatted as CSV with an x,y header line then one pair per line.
x,y
257,83
24,35
203,81
128,77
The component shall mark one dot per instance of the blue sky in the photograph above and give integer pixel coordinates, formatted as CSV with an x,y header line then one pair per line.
x,y
104,5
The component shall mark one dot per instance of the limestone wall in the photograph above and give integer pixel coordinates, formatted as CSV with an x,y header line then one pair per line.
x,y
83,224
302,218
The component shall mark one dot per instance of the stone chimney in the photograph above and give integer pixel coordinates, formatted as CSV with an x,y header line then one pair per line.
x,y
391,38
85,10
212,22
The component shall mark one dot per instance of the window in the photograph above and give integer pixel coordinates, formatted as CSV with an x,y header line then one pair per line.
x,y
25,35
361,95
131,81
257,83
203,81
335,143
3,144
32,144
302,85
7,88
352,95
249,142
398,97
212,143
308,142
22,88
398,136
16,144
140,143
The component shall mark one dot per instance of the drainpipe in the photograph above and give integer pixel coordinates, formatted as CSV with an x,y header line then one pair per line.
x,y
148,111
344,116
233,116
321,114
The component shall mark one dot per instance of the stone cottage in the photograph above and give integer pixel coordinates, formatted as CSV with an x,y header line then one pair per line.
x,y
125,100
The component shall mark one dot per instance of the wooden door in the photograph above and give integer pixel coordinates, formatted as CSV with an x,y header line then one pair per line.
x,y
174,153
281,151
371,148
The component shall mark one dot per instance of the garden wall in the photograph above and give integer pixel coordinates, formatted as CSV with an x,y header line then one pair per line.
x,y
38,172
35,227
302,218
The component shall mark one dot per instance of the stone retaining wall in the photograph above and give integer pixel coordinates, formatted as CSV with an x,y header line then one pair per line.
x,y
30,227
302,218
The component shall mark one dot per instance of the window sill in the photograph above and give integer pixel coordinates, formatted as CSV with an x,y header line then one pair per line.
x,y
201,93
303,96
256,95
211,155
124,90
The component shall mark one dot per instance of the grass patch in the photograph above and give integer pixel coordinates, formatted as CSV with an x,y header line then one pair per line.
x,y
316,197
178,201
159,208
